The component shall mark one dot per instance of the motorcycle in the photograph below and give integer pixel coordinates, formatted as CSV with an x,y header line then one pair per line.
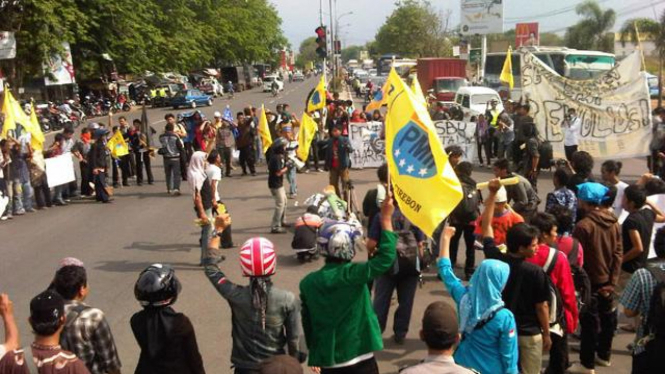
x,y
273,91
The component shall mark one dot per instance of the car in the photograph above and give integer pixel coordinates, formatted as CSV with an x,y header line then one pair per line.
x,y
191,99
372,72
652,81
474,100
210,86
267,83
298,77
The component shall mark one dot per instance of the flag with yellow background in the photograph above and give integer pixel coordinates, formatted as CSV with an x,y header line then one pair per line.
x,y
117,145
308,129
424,183
264,130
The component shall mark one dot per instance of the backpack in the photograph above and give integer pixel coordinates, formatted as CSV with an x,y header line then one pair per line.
x,y
71,317
655,321
546,155
580,278
408,260
467,210
554,298
370,209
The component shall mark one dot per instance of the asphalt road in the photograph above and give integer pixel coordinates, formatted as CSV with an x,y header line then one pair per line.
x,y
145,226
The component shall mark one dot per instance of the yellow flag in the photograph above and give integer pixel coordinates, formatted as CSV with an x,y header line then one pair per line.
x,y
8,111
117,145
425,185
308,128
317,100
264,130
507,71
418,91
378,100
37,136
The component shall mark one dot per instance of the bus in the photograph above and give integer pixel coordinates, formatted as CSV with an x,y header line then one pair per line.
x,y
570,63
385,61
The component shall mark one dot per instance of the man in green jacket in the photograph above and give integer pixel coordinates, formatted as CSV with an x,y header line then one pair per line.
x,y
341,328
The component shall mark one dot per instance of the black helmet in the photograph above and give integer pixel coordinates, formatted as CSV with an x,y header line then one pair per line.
x,y
157,286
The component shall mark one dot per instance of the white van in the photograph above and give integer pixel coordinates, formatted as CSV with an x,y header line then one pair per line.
x,y
474,100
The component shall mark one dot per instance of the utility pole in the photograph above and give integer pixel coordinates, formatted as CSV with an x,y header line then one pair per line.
x,y
321,24
332,41
483,57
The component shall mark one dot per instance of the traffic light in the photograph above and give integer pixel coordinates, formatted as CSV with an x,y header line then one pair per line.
x,y
321,48
338,47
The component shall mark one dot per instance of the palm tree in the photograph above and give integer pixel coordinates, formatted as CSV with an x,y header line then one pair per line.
x,y
655,29
592,31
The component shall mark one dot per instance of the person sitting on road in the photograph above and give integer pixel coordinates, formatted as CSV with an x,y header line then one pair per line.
x,y
341,328
489,333
166,338
265,319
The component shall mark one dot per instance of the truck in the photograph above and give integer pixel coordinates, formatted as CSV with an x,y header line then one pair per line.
x,y
442,75
235,74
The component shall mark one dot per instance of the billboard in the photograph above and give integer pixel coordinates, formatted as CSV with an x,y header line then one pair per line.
x,y
60,67
481,17
526,34
7,45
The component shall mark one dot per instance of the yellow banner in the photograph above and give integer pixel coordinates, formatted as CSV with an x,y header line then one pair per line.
x,y
317,100
308,128
425,185
418,91
507,71
13,112
264,130
117,145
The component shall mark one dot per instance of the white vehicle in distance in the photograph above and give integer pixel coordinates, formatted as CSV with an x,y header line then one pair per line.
x,y
267,83
474,100
372,72
298,76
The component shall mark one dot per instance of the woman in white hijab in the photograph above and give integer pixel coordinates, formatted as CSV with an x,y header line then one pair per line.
x,y
203,197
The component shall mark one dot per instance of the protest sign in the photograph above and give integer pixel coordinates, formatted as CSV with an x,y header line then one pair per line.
x,y
615,107
369,146
60,170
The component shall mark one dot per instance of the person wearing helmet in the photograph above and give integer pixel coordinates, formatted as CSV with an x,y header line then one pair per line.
x,y
341,328
166,338
265,319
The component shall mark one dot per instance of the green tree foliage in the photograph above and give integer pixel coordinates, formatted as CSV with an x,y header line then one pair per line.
x,y
351,52
656,31
593,32
140,35
414,29
307,52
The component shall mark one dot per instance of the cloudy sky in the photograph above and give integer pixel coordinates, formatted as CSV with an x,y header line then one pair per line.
x,y
301,17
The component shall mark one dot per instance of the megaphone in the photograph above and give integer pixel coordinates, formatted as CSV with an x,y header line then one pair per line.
x,y
297,163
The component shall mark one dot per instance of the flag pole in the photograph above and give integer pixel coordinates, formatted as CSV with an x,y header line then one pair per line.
x,y
639,45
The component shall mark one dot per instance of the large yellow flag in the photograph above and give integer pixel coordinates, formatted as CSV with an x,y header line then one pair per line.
x,y
507,71
378,100
117,145
425,185
8,111
418,91
264,130
317,100
37,136
308,128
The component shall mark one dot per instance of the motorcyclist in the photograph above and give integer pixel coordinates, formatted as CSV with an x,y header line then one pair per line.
x,y
229,88
265,319
274,87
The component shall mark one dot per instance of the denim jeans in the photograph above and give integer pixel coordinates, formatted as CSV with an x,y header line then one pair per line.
x,y
28,194
291,178
172,172
57,193
384,286
100,187
597,322
279,194
206,232
19,196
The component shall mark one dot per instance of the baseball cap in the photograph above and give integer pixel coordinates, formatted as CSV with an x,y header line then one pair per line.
x,y
592,192
440,328
70,261
218,115
501,195
47,308
281,364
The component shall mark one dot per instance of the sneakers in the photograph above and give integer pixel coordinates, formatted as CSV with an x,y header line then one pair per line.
x,y
176,192
578,368
604,363
278,230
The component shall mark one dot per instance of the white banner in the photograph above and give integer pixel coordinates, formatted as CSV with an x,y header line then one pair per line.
x,y
369,146
481,17
60,170
61,67
7,45
615,108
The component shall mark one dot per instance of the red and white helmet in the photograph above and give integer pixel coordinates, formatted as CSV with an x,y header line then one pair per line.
x,y
258,258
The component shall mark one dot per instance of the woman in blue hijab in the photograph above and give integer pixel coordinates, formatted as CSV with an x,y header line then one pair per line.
x,y
489,335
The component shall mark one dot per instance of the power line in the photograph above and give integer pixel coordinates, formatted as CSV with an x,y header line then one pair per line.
x,y
552,13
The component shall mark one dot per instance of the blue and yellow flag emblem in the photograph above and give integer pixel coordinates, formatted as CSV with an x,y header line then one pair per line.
x,y
425,185
317,100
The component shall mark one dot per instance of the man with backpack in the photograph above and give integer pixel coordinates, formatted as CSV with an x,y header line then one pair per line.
x,y
644,296
526,292
563,304
522,195
86,332
403,276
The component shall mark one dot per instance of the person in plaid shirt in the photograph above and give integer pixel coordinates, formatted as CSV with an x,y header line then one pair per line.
x,y
86,332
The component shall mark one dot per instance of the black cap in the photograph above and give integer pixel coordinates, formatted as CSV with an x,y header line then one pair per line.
x,y
440,329
47,307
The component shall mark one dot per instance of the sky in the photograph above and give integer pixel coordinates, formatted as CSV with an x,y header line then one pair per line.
x,y
301,17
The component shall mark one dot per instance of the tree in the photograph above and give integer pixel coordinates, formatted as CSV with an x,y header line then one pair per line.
x,y
656,29
307,52
593,31
351,52
415,29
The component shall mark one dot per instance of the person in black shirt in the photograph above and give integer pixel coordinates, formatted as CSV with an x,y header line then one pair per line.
x,y
637,228
581,165
526,292
276,170
204,197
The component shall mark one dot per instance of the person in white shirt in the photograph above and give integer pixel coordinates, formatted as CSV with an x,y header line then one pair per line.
x,y
609,172
214,173
571,128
